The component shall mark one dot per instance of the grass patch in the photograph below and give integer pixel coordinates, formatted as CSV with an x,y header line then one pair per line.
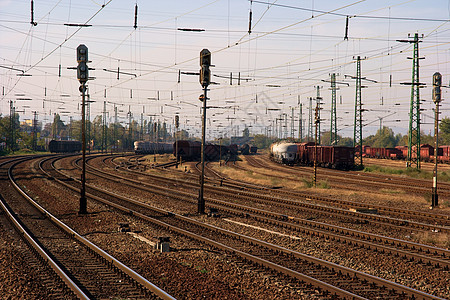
x,y
410,172
436,239
321,184
201,270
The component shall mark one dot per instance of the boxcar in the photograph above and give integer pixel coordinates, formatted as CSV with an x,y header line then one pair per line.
x,y
55,146
302,152
188,150
212,152
253,149
336,157
245,149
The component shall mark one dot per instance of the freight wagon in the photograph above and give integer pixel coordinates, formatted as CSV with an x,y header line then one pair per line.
x,y
147,147
55,146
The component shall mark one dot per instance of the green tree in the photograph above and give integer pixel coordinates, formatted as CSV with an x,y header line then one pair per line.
x,y
384,138
246,132
262,141
444,130
58,127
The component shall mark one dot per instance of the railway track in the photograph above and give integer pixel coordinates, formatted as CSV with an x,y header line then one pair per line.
x,y
87,270
275,257
369,180
436,222
418,216
421,253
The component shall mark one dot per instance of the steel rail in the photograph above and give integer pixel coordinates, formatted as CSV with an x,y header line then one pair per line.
x,y
113,261
343,270
346,233
337,212
24,233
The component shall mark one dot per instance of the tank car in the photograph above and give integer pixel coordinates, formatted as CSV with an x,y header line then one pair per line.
x,y
147,147
285,153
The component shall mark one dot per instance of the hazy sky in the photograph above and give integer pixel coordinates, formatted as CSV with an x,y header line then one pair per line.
x,y
293,47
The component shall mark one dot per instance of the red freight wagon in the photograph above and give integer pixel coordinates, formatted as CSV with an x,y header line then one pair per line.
x,y
445,149
302,152
426,152
187,149
404,150
366,150
338,157
212,152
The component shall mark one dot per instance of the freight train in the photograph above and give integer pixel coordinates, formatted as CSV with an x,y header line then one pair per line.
x,y
401,152
147,147
336,157
191,150
55,146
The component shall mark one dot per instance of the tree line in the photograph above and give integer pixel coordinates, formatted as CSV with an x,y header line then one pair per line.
x,y
21,136
15,136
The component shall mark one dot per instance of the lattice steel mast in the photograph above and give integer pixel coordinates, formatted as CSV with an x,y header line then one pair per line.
x,y
413,159
333,129
310,125
357,133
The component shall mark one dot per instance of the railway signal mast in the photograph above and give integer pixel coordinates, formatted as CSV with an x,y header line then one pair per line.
x,y
83,76
205,80
437,82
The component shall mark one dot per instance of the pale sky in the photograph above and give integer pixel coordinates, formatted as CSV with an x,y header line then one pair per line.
x,y
293,47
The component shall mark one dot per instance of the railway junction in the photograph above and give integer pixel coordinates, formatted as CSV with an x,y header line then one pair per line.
x,y
266,234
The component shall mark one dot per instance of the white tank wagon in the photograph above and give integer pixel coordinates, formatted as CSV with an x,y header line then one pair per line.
x,y
285,153
147,147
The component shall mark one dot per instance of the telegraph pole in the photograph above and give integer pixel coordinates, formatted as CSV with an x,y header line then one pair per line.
x,y
104,130
116,119
88,113
413,158
292,122
300,121
317,122
83,76
318,101
333,129
130,133
141,135
177,124
437,82
35,130
12,118
205,79
310,121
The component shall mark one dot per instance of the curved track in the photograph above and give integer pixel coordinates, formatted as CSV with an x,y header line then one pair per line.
x,y
170,216
91,272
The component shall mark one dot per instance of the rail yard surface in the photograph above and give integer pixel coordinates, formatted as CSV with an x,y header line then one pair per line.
x,y
267,234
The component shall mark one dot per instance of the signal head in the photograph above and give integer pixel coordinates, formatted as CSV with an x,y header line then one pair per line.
x,y
205,57
82,53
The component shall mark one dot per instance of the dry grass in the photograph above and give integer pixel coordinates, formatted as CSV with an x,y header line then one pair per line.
x,y
160,158
440,240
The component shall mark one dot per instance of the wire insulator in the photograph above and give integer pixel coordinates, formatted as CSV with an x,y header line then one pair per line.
x,y
346,29
32,22
135,16
250,22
